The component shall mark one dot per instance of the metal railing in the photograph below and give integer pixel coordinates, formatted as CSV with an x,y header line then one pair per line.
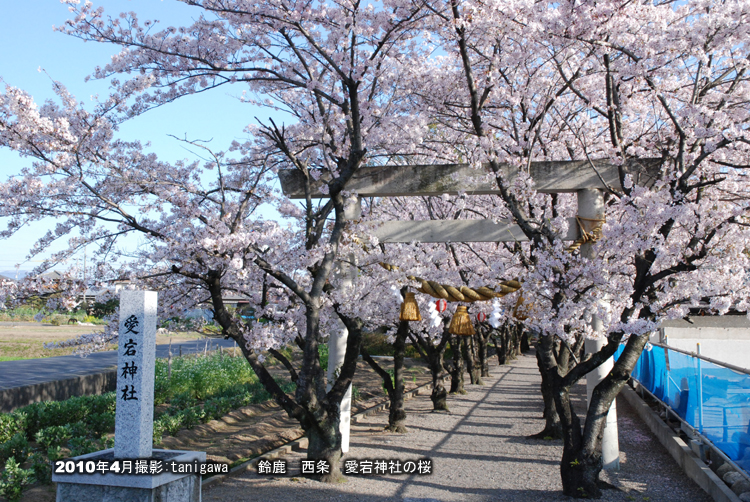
x,y
698,355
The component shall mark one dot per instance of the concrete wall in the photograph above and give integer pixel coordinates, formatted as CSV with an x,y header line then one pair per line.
x,y
86,385
724,338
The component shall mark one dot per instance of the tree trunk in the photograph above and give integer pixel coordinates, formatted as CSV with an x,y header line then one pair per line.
x,y
468,352
397,415
457,371
393,384
582,461
324,443
439,395
518,333
433,355
579,472
501,347
552,426
525,346
482,339
510,343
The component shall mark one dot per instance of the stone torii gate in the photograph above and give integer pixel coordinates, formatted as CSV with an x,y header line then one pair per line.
x,y
588,179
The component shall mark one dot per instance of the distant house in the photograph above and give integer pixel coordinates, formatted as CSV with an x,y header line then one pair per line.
x,y
90,295
52,275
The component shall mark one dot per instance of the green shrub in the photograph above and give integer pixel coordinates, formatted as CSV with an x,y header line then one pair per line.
x,y
51,413
41,465
11,424
23,313
211,409
14,480
100,423
17,448
158,432
200,377
106,308
192,417
224,383
174,424
170,424
82,446
54,453
78,430
182,401
393,381
377,344
55,435
323,356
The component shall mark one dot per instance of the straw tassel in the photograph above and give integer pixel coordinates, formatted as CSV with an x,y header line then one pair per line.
x,y
409,309
520,310
461,322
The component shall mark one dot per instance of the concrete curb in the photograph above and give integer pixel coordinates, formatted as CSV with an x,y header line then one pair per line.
x,y
693,466
58,390
301,442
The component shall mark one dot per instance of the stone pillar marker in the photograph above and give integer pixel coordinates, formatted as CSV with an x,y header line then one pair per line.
x,y
134,415
134,425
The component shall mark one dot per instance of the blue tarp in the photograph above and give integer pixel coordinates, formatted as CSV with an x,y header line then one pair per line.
x,y
713,399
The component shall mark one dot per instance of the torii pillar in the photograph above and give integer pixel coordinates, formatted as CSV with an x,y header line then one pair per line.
x,y
591,205
337,339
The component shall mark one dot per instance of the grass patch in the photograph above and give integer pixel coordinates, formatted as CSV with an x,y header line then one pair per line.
x,y
22,314
27,313
200,377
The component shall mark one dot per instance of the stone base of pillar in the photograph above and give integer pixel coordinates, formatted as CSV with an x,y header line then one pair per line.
x,y
114,487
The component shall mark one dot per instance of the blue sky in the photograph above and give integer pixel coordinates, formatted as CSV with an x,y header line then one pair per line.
x,y
28,43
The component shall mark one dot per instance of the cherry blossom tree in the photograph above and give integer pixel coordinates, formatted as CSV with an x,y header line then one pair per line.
x,y
617,81
8,290
47,293
508,85
333,68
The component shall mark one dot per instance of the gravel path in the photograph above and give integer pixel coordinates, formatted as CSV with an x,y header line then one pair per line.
x,y
479,452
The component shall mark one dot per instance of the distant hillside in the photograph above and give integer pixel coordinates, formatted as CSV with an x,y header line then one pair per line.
x,y
11,274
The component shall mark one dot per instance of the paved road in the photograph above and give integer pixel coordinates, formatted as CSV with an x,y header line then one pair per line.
x,y
49,369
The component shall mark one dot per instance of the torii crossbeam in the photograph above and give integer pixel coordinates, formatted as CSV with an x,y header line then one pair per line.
x,y
420,180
